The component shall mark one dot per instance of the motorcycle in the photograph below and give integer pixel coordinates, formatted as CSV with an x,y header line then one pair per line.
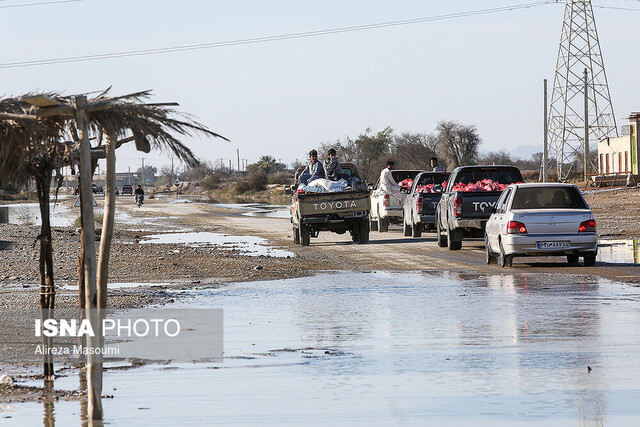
x,y
139,199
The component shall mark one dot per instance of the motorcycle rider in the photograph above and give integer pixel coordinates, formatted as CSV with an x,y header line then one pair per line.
x,y
139,193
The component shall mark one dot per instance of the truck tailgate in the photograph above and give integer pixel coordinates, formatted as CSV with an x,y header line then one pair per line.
x,y
478,204
430,202
324,203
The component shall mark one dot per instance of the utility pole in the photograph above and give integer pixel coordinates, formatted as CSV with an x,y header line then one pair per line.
x,y
143,172
545,148
586,126
238,153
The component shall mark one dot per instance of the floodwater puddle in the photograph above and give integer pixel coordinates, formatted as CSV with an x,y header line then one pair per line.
x,y
127,285
619,251
245,245
392,348
145,223
29,213
258,209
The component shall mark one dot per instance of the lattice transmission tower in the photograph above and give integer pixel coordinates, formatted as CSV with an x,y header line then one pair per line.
x,y
579,66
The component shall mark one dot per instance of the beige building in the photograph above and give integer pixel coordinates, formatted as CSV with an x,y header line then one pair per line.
x,y
620,155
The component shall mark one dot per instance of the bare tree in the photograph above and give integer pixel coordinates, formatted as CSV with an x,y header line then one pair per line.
x,y
501,157
168,175
457,143
413,150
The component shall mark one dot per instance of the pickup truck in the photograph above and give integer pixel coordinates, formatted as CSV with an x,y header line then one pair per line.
x,y
468,201
419,208
337,212
387,208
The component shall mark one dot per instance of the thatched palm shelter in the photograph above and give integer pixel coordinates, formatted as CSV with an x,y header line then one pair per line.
x,y
33,130
32,150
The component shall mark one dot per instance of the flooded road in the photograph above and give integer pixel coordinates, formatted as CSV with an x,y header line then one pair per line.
x,y
393,348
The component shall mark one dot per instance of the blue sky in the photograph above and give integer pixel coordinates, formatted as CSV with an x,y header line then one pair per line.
x,y
285,97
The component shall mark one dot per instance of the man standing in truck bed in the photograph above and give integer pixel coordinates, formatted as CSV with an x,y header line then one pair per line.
x,y
387,183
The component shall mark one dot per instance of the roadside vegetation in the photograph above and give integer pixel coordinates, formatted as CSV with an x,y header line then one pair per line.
x,y
453,143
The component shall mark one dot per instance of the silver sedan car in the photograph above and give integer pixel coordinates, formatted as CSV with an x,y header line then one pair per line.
x,y
542,219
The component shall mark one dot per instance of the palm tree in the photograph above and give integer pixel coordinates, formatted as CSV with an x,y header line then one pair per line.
x,y
32,149
32,146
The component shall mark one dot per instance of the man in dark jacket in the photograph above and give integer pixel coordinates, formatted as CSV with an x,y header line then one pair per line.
x,y
332,166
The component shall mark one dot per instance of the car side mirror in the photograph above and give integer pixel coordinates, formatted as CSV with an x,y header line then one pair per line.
x,y
288,190
370,187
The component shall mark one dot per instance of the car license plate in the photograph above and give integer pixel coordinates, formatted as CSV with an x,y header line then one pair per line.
x,y
553,245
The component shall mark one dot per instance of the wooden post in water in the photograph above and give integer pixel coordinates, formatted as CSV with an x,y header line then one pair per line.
x,y
94,361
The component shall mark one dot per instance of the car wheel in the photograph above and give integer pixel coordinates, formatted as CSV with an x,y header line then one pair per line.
x,y
383,225
442,240
503,259
296,236
589,260
305,235
406,227
573,259
364,231
490,257
454,243
416,229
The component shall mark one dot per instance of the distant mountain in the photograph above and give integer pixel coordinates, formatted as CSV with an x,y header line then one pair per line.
x,y
523,151
526,151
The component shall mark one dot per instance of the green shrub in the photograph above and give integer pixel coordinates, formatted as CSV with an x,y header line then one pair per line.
x,y
241,187
258,181
280,178
96,218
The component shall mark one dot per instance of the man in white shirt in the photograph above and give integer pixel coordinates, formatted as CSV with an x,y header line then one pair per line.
x,y
387,183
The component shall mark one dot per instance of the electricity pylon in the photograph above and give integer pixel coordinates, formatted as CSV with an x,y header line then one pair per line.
x,y
579,53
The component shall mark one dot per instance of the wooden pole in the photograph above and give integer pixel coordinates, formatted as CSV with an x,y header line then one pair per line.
x,y
107,222
94,361
47,289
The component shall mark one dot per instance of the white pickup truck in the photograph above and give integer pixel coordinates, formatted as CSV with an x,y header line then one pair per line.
x,y
387,208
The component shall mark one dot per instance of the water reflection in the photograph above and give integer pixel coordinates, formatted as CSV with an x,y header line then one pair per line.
x,y
619,251
452,348
29,214
48,402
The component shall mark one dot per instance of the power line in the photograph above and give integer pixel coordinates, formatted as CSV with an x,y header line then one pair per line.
x,y
616,8
38,4
266,39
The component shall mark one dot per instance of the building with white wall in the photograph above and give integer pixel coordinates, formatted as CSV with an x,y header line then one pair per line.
x,y
620,155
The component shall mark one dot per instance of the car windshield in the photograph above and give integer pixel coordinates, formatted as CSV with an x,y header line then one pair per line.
x,y
548,198
500,175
